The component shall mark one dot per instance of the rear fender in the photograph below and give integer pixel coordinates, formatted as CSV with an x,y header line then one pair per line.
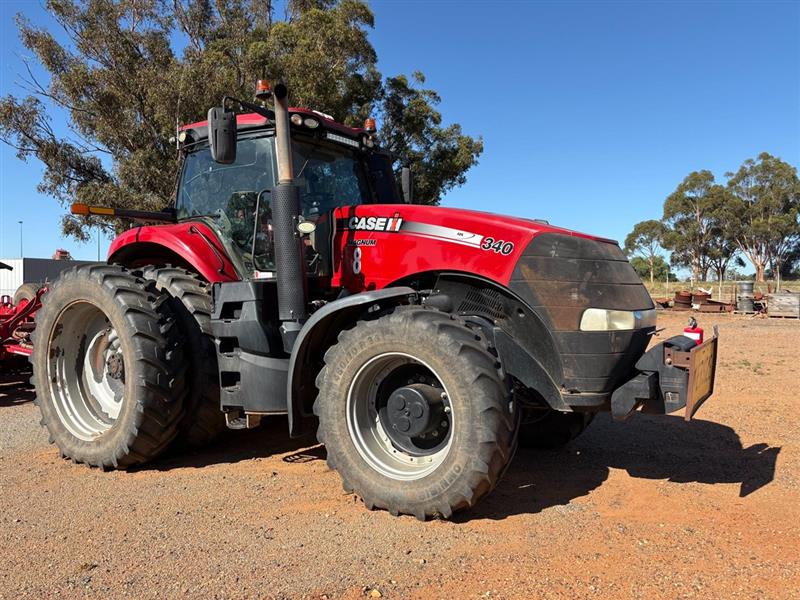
x,y
193,245
321,332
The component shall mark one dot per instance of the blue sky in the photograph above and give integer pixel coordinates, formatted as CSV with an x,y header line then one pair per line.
x,y
591,113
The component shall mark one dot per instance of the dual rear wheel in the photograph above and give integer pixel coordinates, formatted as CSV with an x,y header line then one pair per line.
x,y
119,364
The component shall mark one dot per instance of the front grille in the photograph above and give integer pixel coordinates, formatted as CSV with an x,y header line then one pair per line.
x,y
560,275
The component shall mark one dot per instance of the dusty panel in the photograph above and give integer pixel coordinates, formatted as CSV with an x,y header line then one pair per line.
x,y
559,276
562,275
783,304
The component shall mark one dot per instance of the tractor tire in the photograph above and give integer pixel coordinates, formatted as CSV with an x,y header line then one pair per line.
x,y
108,367
469,433
27,291
552,428
190,300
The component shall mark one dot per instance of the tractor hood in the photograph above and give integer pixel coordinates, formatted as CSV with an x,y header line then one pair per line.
x,y
397,240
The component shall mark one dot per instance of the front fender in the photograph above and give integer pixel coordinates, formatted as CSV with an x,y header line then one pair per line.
x,y
517,361
194,243
318,334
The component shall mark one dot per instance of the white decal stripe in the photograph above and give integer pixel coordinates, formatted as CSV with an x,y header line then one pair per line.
x,y
439,232
441,239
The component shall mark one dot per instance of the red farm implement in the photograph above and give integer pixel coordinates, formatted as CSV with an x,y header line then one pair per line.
x,y
16,322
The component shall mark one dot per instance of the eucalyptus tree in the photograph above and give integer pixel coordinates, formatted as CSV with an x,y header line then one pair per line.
x,y
121,74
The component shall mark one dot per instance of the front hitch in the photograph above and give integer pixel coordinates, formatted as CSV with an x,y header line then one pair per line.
x,y
675,374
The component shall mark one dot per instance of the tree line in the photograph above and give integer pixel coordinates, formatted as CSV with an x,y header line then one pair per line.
x,y
115,69
708,226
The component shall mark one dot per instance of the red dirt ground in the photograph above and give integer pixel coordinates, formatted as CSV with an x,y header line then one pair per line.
x,y
655,507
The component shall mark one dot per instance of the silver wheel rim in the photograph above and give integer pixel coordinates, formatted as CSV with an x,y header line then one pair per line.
x,y
367,431
86,371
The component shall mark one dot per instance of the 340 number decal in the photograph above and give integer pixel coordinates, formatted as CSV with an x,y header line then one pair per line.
x,y
499,246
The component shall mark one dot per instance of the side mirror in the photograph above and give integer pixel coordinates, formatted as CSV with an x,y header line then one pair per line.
x,y
407,185
222,135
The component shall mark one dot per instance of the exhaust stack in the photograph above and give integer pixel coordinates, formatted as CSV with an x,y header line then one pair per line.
x,y
289,260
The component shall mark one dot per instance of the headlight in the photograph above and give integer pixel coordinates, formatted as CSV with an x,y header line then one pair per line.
x,y
296,119
310,123
603,319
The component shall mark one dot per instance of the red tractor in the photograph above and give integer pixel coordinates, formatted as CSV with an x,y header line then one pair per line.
x,y
292,276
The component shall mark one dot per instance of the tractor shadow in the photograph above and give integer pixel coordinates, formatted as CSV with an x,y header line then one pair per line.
x,y
15,388
270,438
663,447
659,448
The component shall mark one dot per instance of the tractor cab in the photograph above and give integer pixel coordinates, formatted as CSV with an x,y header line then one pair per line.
x,y
335,166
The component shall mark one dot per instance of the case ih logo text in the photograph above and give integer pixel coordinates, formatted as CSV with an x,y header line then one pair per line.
x,y
375,223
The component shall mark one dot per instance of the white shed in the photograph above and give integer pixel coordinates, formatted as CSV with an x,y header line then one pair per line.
x,y
31,270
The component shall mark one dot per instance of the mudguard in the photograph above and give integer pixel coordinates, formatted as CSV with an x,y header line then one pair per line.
x,y
518,362
319,333
194,242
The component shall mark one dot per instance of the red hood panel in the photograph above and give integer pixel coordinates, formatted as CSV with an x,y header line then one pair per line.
x,y
376,245
373,246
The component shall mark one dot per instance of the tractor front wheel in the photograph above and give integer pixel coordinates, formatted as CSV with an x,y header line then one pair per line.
x,y
415,414
107,367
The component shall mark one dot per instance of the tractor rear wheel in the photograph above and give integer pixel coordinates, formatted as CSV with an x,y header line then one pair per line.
x,y
190,300
551,428
415,414
108,368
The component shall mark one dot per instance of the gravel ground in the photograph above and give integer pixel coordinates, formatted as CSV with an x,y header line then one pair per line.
x,y
655,507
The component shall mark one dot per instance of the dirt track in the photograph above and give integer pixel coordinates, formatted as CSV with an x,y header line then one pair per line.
x,y
655,507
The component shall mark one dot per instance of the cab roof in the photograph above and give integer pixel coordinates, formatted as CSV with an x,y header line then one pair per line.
x,y
255,121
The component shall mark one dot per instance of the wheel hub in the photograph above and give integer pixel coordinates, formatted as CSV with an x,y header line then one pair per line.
x,y
87,370
413,411
399,416
115,366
